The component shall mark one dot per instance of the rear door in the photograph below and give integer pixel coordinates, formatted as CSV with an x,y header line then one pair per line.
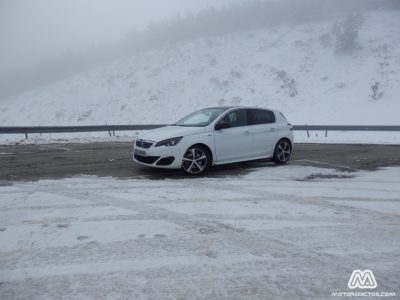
x,y
234,143
263,131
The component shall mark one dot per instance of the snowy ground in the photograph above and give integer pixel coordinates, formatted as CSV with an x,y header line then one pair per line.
x,y
279,232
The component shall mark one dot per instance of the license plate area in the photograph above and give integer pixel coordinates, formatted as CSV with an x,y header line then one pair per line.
x,y
140,152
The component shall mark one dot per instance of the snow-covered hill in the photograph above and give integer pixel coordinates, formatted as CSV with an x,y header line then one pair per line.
x,y
292,68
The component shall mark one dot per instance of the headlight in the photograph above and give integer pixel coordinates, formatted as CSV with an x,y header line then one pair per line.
x,y
169,142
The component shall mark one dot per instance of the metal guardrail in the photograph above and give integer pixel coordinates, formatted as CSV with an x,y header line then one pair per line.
x,y
348,127
327,128
111,129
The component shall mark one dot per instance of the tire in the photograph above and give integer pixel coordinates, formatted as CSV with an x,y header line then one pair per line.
x,y
200,163
282,152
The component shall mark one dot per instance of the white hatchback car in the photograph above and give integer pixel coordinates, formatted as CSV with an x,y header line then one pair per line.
x,y
214,136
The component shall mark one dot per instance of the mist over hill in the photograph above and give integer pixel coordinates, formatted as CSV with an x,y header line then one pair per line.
x,y
239,16
338,71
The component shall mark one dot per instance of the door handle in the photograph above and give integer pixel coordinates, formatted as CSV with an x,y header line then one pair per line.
x,y
272,129
246,133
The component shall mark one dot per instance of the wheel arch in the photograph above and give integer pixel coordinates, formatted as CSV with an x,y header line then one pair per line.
x,y
285,138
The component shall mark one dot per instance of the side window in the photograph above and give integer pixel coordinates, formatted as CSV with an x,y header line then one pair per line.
x,y
236,118
261,116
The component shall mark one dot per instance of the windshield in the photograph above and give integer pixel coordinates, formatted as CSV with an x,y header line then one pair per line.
x,y
202,117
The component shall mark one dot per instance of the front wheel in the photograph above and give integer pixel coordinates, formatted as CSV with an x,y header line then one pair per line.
x,y
282,152
196,160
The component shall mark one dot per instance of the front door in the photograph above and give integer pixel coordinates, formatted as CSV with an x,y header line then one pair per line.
x,y
233,143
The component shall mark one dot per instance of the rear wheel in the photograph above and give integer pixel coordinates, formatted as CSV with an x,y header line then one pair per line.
x,y
196,160
282,152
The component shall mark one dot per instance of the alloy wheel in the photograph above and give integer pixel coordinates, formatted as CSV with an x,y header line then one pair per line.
x,y
194,161
283,151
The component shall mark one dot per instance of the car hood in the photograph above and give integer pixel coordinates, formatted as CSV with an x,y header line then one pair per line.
x,y
168,132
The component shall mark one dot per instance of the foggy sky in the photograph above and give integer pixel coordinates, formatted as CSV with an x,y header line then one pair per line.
x,y
32,31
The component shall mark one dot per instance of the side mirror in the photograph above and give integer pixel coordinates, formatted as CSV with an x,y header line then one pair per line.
x,y
222,125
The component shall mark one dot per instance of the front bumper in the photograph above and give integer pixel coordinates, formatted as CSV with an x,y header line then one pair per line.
x,y
159,157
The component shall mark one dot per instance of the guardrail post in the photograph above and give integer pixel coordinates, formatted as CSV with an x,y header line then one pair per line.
x,y
109,132
26,135
308,134
113,132
326,133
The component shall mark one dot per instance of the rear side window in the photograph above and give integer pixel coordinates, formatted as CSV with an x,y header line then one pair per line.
x,y
261,116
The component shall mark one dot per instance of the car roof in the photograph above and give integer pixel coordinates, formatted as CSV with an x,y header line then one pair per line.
x,y
243,107
226,107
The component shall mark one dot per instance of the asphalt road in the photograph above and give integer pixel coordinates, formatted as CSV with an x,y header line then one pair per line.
x,y
52,161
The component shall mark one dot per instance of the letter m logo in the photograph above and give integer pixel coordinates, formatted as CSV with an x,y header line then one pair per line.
x,y
362,280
